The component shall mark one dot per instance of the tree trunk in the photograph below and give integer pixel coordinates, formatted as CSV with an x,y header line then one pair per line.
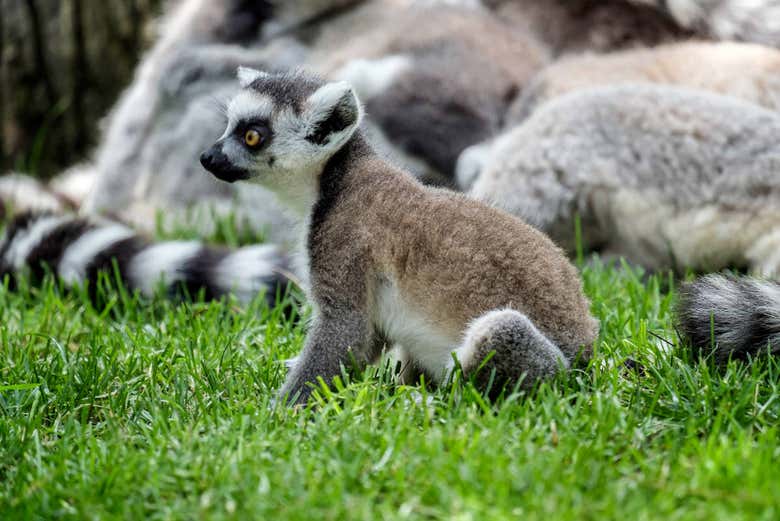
x,y
62,64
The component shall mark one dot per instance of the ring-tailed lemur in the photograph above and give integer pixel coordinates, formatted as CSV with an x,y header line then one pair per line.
x,y
146,158
454,79
77,249
747,71
664,176
391,260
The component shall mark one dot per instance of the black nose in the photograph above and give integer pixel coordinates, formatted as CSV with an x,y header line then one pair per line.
x,y
216,162
207,159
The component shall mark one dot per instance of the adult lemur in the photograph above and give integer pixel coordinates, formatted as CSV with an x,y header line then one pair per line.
x,y
392,261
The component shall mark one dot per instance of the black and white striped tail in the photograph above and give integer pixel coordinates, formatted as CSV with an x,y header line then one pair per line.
x,y
730,317
77,249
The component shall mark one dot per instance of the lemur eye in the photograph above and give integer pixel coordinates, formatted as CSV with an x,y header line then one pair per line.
x,y
252,138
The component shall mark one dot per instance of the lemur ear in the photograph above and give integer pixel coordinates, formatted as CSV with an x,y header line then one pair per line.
x,y
333,113
247,76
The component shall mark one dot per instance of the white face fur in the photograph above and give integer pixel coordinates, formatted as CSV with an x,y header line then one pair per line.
x,y
281,131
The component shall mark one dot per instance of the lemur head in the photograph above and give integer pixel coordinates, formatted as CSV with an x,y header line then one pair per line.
x,y
282,129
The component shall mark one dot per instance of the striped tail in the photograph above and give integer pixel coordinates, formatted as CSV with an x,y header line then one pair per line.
x,y
730,317
77,249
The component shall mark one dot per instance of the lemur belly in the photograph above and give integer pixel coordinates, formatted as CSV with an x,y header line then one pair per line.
x,y
647,230
426,342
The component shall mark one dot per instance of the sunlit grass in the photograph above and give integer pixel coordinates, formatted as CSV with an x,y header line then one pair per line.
x,y
154,410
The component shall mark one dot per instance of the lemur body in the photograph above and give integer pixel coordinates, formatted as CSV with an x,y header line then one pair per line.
x,y
393,261
145,161
747,71
666,177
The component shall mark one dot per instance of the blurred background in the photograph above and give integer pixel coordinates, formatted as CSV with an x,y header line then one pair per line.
x,y
106,106
64,62
62,65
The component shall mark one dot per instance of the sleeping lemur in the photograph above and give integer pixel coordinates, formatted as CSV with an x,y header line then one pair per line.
x,y
392,261
669,178
743,70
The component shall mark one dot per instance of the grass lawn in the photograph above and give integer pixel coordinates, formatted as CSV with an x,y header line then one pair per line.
x,y
149,410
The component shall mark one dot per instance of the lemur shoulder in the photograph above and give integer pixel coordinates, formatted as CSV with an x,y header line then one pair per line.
x,y
393,261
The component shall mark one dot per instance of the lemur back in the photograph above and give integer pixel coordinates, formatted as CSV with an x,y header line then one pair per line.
x,y
392,261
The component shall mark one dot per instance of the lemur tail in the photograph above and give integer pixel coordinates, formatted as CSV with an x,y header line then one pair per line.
x,y
77,249
730,316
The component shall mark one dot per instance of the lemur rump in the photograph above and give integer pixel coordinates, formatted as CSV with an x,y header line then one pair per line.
x,y
392,261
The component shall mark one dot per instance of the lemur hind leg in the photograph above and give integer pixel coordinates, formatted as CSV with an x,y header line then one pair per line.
x,y
520,352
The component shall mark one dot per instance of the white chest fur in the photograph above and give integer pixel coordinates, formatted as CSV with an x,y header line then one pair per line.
x,y
418,335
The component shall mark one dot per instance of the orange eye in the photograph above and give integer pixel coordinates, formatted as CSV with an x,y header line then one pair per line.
x,y
252,138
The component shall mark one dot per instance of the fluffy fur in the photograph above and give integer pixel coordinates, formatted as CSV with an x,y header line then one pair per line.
x,y
146,159
575,26
78,249
454,78
747,71
667,177
393,262
753,21
20,193
730,317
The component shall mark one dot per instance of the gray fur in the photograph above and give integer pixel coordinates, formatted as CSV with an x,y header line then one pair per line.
x,y
21,193
667,177
575,26
146,160
747,71
332,343
507,339
755,21
150,159
730,317
443,109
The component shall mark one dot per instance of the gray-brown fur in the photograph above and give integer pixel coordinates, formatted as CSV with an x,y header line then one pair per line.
x,y
743,70
751,21
431,109
664,176
574,26
393,261
747,71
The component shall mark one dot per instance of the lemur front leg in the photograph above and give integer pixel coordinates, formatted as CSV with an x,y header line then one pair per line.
x,y
335,339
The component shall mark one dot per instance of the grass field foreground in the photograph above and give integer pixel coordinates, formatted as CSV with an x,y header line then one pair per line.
x,y
151,410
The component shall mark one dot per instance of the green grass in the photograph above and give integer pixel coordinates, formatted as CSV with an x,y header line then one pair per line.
x,y
149,410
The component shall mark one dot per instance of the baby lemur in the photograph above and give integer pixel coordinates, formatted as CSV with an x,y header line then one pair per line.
x,y
392,262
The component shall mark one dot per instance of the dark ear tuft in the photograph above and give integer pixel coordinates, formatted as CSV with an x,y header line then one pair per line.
x,y
333,108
